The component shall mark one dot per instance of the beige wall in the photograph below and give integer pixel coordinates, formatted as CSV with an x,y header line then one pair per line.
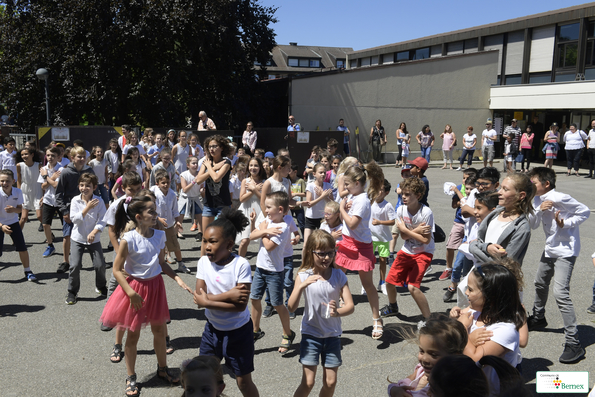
x,y
451,90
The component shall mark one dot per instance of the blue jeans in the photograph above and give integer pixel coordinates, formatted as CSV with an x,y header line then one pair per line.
x,y
461,266
469,154
425,152
287,280
264,280
301,218
103,193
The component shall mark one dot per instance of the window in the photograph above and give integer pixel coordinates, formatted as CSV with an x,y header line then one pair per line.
x,y
567,46
471,45
340,63
304,63
292,62
569,32
314,63
365,61
353,63
567,54
402,56
422,53
375,60
388,58
513,79
536,78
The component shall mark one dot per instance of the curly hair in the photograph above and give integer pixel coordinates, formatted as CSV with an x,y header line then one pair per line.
x,y
221,141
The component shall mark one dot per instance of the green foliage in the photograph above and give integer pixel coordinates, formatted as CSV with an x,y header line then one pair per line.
x,y
150,62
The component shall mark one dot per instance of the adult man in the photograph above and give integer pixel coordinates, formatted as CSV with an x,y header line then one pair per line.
x,y
205,123
515,133
539,134
293,126
488,137
346,133
125,138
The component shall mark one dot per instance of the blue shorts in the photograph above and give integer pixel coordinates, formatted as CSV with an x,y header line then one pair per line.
x,y
17,238
236,346
312,348
103,193
67,229
273,281
211,212
197,209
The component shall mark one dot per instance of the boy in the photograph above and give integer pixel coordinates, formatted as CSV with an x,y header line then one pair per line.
x,y
283,152
48,177
7,156
66,189
168,215
167,166
87,217
155,149
416,226
382,219
11,202
298,192
405,174
331,146
561,216
259,153
273,233
418,169
79,143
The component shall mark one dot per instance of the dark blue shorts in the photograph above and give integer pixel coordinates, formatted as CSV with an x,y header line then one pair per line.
x,y
236,346
17,238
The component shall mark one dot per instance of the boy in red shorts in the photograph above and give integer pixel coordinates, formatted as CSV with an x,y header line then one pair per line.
x,y
416,226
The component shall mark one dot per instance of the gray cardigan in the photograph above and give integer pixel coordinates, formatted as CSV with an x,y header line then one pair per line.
x,y
515,238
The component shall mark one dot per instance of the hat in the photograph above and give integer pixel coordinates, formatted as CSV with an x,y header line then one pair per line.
x,y
554,124
405,169
489,121
513,121
420,163
269,155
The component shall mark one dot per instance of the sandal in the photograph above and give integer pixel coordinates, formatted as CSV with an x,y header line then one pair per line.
x,y
117,354
131,386
258,334
377,329
167,377
286,343
169,348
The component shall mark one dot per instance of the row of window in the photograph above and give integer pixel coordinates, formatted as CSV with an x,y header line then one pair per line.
x,y
312,63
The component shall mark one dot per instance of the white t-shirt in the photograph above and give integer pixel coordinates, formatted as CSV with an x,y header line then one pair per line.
x,y
7,162
49,197
383,211
470,221
110,215
15,199
220,279
361,207
64,162
317,210
141,149
167,205
292,229
468,139
574,141
423,215
195,189
317,296
143,254
486,135
272,260
495,229
113,161
325,226
99,169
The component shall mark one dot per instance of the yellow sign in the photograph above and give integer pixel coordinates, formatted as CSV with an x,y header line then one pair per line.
x,y
518,115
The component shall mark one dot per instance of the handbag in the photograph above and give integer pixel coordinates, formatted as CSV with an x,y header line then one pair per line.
x,y
439,235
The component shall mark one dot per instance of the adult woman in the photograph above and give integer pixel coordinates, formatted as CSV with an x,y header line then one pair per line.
x,y
575,142
449,140
469,142
249,138
377,140
402,134
425,138
180,152
591,149
551,147
526,147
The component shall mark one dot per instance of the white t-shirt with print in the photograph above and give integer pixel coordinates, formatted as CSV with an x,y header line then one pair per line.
x,y
423,215
468,139
486,135
360,207
317,210
383,211
272,260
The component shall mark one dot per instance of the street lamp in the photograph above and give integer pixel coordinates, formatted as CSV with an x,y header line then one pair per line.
x,y
43,74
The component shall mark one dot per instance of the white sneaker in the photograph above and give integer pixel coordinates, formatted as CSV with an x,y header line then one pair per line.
x,y
459,169
383,289
428,270
182,267
363,291
170,260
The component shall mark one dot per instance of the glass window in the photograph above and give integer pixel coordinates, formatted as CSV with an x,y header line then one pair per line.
x,y
388,58
590,74
375,60
513,79
589,59
353,63
471,45
536,78
304,63
567,54
341,63
314,63
591,29
569,32
402,56
292,62
565,76
422,53
365,61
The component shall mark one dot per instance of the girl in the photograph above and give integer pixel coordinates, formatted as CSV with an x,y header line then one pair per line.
x,y
322,285
331,175
171,139
127,166
332,220
99,164
325,160
449,141
134,143
494,304
278,181
202,376
223,281
526,147
250,194
180,152
506,230
139,165
190,196
140,298
197,150
438,337
355,251
28,164
551,147
235,183
340,180
402,136
113,156
317,194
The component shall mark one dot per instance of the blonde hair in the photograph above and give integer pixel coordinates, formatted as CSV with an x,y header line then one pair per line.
x,y
345,164
77,150
333,205
374,173
522,183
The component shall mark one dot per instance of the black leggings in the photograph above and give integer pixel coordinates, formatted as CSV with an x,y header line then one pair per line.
x,y
526,157
591,153
469,153
573,157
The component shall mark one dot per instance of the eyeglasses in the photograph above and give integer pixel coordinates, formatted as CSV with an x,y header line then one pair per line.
x,y
484,184
324,254
214,147
327,214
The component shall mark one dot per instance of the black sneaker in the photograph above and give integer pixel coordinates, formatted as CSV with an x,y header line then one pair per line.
x,y
101,291
109,246
536,323
389,310
71,299
572,354
591,309
268,311
63,267
105,328
40,228
449,294
199,237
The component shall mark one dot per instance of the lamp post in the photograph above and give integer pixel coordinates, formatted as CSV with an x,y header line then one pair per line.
x,y
43,74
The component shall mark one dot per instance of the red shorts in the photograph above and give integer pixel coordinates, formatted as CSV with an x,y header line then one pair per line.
x,y
409,269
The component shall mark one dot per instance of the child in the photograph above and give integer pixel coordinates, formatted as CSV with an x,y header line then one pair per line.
x,y
48,178
259,153
167,166
405,148
156,149
126,166
197,150
508,153
561,216
223,281
202,376
331,175
11,201
322,285
340,180
381,221
273,233
79,143
100,167
87,217
140,167
180,152
236,184
405,174
356,251
171,138
278,181
331,146
113,156
134,143
140,298
418,169
28,164
325,159
250,194
169,217
8,155
437,338
332,223
416,227
190,196
318,193
314,158
298,193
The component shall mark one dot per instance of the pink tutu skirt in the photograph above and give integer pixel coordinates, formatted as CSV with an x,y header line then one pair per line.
x,y
118,313
355,255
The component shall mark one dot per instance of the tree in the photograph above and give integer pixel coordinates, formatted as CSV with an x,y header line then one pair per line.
x,y
147,62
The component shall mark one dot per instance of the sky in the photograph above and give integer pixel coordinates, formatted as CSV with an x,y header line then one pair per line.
x,y
362,24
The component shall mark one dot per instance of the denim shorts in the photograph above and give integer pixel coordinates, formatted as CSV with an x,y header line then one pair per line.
x,y
211,212
103,193
273,281
329,349
197,209
236,346
67,229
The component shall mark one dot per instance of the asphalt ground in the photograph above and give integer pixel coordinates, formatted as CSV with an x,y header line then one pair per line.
x,y
52,349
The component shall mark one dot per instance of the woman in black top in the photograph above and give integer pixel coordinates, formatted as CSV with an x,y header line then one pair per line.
x,y
377,140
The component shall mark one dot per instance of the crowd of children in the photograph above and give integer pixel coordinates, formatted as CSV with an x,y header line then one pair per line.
x,y
341,211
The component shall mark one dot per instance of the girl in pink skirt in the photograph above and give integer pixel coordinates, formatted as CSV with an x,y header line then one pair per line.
x,y
140,298
356,252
